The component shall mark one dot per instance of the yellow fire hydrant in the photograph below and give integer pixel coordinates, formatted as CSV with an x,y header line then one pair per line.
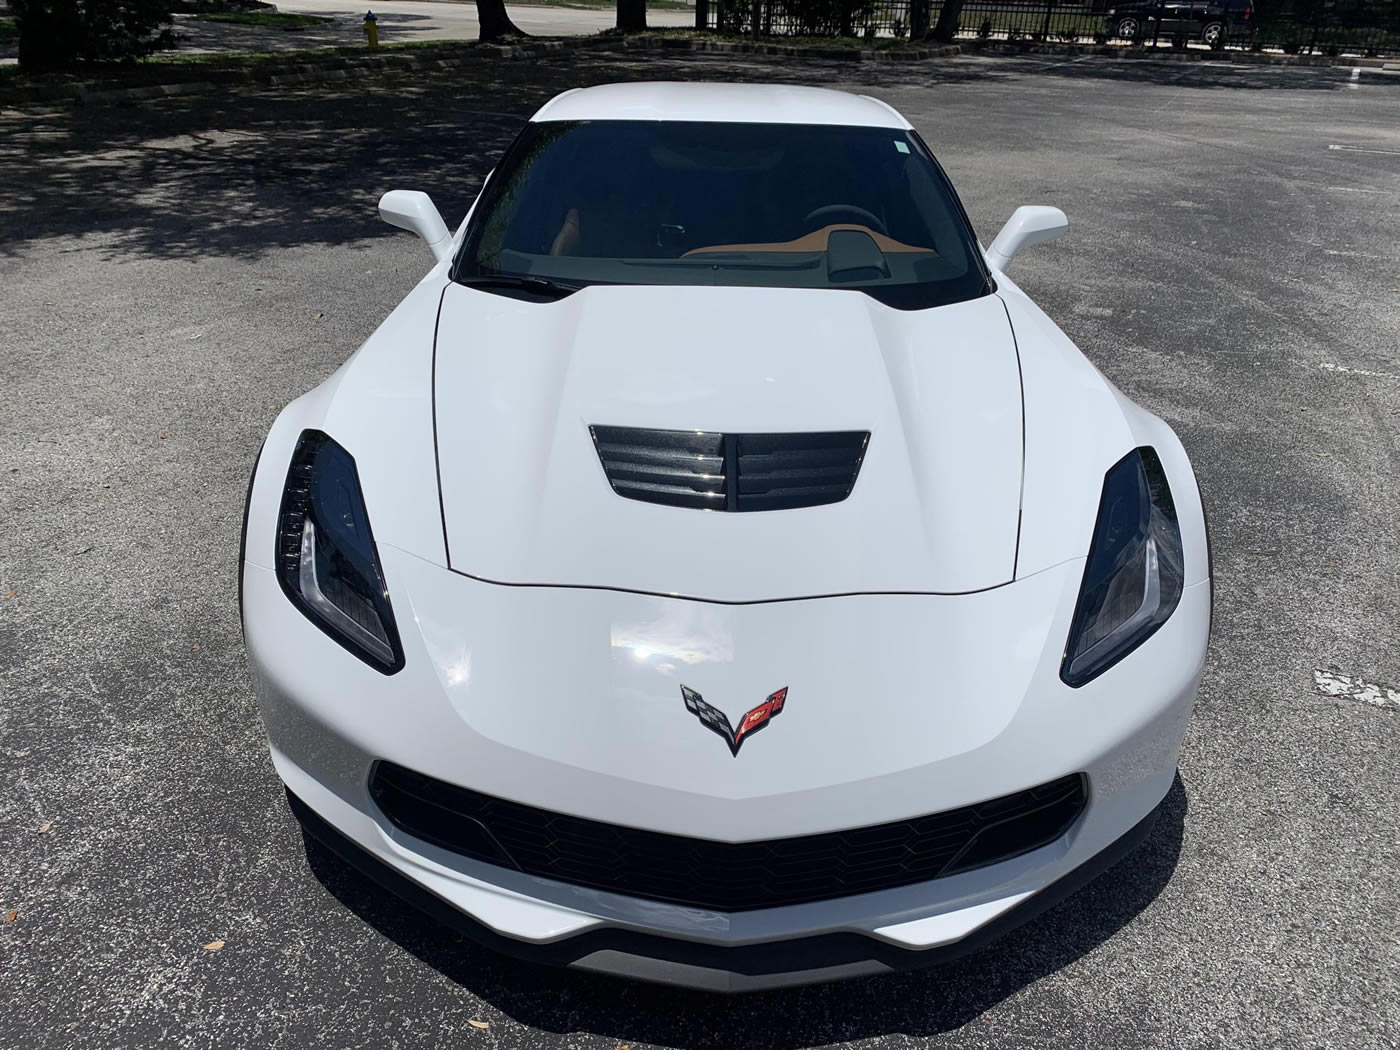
x,y
371,29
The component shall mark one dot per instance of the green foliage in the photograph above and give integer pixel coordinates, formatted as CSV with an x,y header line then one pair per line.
x,y
59,34
821,18
825,17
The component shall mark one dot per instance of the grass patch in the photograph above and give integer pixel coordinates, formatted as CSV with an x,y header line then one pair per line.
x,y
266,19
308,57
9,32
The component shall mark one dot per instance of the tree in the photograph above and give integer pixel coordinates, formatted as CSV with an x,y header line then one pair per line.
x,y
58,34
918,19
495,21
631,16
947,26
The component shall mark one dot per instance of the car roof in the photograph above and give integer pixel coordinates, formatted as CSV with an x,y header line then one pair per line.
x,y
736,103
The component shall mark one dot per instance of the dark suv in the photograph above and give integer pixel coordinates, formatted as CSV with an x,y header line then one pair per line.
x,y
1205,20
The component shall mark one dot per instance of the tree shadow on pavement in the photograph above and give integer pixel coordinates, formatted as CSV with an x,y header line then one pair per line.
x,y
342,29
918,1003
244,171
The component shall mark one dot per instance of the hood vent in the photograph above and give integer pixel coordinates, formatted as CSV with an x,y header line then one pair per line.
x,y
739,472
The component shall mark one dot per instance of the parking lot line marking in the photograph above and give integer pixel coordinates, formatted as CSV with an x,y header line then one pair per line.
x,y
1362,149
1334,683
1354,82
1328,366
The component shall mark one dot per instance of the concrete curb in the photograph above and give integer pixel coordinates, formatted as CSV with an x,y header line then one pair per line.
x,y
1160,54
834,54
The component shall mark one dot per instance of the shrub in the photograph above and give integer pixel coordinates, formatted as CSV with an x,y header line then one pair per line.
x,y
1100,38
1331,50
900,29
732,17
58,34
826,17
984,31
1179,41
1069,36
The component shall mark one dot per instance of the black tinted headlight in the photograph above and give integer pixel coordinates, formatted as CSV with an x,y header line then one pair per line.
x,y
1133,578
326,558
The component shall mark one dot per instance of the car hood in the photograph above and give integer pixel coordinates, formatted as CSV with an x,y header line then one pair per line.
x,y
526,500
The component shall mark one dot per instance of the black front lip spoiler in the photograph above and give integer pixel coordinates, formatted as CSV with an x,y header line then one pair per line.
x,y
743,968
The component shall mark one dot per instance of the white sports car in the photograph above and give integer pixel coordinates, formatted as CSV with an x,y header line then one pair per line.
x,y
716,570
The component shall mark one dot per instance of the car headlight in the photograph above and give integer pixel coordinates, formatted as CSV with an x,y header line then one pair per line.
x,y
1133,579
326,558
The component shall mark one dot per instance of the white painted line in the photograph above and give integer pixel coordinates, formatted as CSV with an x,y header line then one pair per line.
x,y
1355,77
1328,366
1360,149
1333,683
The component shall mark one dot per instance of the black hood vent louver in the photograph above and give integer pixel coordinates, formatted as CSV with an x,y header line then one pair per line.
x,y
739,472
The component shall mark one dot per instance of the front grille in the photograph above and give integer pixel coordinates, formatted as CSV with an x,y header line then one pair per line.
x,y
737,472
724,876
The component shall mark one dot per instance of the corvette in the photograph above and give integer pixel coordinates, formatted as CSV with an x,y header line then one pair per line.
x,y
713,419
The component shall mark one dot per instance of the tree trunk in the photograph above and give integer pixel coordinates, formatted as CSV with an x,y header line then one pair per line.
x,y
631,16
947,26
495,22
918,19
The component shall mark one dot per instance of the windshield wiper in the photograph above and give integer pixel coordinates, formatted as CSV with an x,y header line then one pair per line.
x,y
542,286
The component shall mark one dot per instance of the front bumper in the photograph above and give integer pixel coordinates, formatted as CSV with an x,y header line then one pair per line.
x,y
693,964
565,699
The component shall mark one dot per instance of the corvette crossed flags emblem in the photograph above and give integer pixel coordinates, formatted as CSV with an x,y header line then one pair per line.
x,y
751,722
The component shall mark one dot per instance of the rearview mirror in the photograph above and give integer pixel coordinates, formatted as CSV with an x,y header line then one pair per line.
x,y
414,211
1029,224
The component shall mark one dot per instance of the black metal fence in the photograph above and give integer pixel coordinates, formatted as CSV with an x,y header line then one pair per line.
x,y
1317,27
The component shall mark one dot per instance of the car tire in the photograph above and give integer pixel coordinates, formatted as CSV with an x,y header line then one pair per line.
x,y
1212,32
1126,29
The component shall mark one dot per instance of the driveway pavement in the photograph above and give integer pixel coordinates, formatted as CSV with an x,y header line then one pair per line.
x,y
174,274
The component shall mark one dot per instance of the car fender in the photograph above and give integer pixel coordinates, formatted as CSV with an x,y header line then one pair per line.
x,y
378,406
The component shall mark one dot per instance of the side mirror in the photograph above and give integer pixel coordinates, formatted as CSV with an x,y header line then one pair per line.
x,y
1029,224
414,211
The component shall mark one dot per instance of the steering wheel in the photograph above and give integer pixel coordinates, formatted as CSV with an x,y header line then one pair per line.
x,y
867,218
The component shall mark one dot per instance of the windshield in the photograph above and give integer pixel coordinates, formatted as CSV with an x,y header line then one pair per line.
x,y
704,203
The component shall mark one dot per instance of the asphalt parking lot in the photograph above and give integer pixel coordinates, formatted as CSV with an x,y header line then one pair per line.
x,y
173,274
